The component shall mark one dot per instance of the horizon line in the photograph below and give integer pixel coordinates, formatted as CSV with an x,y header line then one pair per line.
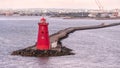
x,y
62,8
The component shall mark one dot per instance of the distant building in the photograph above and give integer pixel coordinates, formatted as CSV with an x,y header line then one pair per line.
x,y
92,15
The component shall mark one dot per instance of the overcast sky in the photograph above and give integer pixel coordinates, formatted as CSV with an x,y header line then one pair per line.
x,y
87,4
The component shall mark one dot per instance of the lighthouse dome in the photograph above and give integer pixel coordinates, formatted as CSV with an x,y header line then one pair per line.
x,y
43,19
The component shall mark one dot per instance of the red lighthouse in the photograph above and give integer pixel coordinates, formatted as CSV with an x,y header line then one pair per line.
x,y
43,36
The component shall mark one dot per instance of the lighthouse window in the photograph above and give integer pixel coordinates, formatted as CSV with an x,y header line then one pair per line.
x,y
42,32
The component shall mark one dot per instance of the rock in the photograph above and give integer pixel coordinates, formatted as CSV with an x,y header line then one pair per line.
x,y
42,53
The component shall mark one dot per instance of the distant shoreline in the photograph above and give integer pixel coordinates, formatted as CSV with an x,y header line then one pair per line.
x,y
88,18
118,18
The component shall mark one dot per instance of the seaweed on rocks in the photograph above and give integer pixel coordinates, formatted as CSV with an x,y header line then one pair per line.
x,y
43,53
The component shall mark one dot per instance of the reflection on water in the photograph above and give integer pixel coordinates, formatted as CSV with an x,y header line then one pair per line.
x,y
44,60
97,48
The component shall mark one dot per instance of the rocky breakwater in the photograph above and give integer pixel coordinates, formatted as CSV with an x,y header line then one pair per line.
x,y
55,40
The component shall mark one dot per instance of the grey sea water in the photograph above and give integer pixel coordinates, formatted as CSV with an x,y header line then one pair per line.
x,y
99,48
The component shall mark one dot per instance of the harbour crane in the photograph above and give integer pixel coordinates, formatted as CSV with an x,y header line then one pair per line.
x,y
101,9
100,6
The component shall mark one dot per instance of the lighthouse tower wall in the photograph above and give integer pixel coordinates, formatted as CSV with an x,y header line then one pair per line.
x,y
43,36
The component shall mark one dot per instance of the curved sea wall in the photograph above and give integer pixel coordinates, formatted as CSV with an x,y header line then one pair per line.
x,y
57,49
